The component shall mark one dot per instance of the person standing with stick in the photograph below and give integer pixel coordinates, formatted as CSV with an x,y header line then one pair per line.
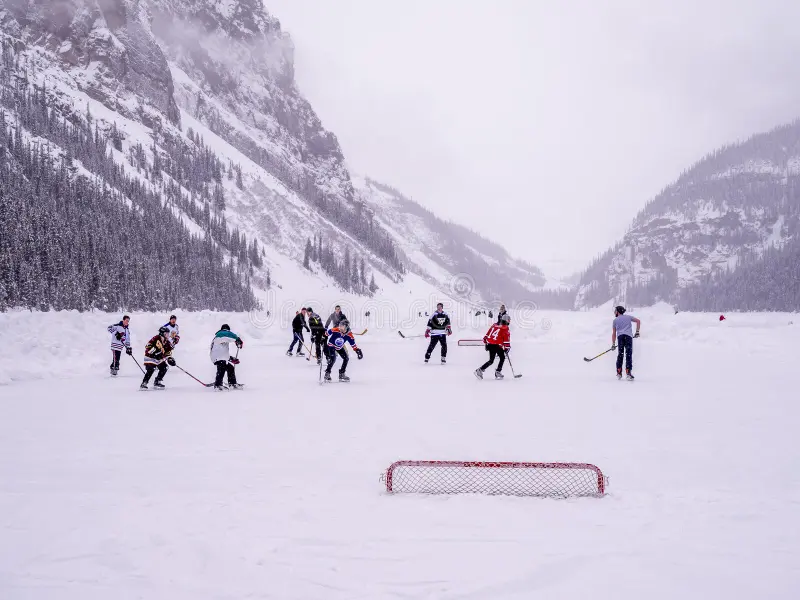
x,y
622,335
222,359
120,340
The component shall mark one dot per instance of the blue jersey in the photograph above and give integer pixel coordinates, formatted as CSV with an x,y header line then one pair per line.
x,y
337,339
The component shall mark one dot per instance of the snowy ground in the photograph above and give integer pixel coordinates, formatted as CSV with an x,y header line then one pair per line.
x,y
273,492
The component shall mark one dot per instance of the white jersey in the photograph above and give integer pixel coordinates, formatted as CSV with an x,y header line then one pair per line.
x,y
174,333
120,336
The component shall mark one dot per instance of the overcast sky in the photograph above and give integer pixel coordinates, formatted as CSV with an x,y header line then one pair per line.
x,y
544,125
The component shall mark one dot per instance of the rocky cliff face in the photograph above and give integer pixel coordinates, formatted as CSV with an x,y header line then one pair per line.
x,y
731,207
105,45
199,98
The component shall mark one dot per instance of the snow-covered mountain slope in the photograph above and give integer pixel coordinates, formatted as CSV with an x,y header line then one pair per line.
x,y
730,207
200,99
448,254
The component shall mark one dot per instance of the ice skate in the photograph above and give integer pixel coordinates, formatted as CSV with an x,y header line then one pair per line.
x,y
236,386
288,353
343,377
629,376
478,373
619,373
444,360
498,375
143,386
159,386
327,376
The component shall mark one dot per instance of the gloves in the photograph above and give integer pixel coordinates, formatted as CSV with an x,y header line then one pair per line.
x,y
176,339
239,342
636,334
118,335
129,351
449,330
359,353
427,333
233,360
613,346
170,361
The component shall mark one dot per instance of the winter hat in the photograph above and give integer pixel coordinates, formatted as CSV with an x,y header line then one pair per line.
x,y
225,327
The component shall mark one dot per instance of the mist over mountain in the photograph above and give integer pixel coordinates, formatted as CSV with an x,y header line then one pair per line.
x,y
195,101
737,207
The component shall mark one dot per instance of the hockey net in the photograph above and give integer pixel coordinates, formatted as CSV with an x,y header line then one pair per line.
x,y
558,480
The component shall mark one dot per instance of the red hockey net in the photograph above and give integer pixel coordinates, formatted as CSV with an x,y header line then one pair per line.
x,y
558,480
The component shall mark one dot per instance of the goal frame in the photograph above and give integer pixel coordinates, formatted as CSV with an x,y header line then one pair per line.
x,y
389,474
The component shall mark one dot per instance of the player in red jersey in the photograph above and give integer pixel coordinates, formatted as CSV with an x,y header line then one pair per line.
x,y
498,342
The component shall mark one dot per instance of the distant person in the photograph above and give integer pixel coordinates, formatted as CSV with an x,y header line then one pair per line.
x,y
120,340
491,315
222,359
722,317
501,313
438,329
174,330
336,317
298,324
497,342
622,334
157,355
318,336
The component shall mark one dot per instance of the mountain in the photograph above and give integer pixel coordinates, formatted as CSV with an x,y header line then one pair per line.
x,y
451,256
731,208
198,102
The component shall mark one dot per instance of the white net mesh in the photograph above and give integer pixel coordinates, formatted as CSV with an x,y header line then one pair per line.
x,y
513,479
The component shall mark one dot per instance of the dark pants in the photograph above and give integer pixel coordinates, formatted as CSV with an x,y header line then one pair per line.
x,y
316,340
149,369
494,351
223,368
436,339
297,339
115,354
332,359
624,347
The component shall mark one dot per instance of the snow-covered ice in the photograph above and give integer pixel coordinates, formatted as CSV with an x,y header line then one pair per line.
x,y
273,492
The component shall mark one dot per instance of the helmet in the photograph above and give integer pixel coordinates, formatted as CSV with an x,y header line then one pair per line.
x,y
344,325
163,331
505,318
620,309
309,309
225,327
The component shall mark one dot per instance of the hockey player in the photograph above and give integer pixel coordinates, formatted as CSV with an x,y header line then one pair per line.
x,y
174,330
501,313
298,324
335,317
157,355
337,337
622,334
120,339
497,341
318,337
438,330
222,359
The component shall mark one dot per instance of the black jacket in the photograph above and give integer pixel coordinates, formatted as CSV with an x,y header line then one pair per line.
x,y
299,323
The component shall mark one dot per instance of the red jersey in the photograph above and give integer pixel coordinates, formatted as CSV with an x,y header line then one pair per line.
x,y
499,335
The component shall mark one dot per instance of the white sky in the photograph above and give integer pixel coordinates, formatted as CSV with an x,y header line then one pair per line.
x,y
545,125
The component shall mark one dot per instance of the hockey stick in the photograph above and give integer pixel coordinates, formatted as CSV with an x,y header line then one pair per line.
x,y
137,363
599,355
193,377
508,358
408,337
362,333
